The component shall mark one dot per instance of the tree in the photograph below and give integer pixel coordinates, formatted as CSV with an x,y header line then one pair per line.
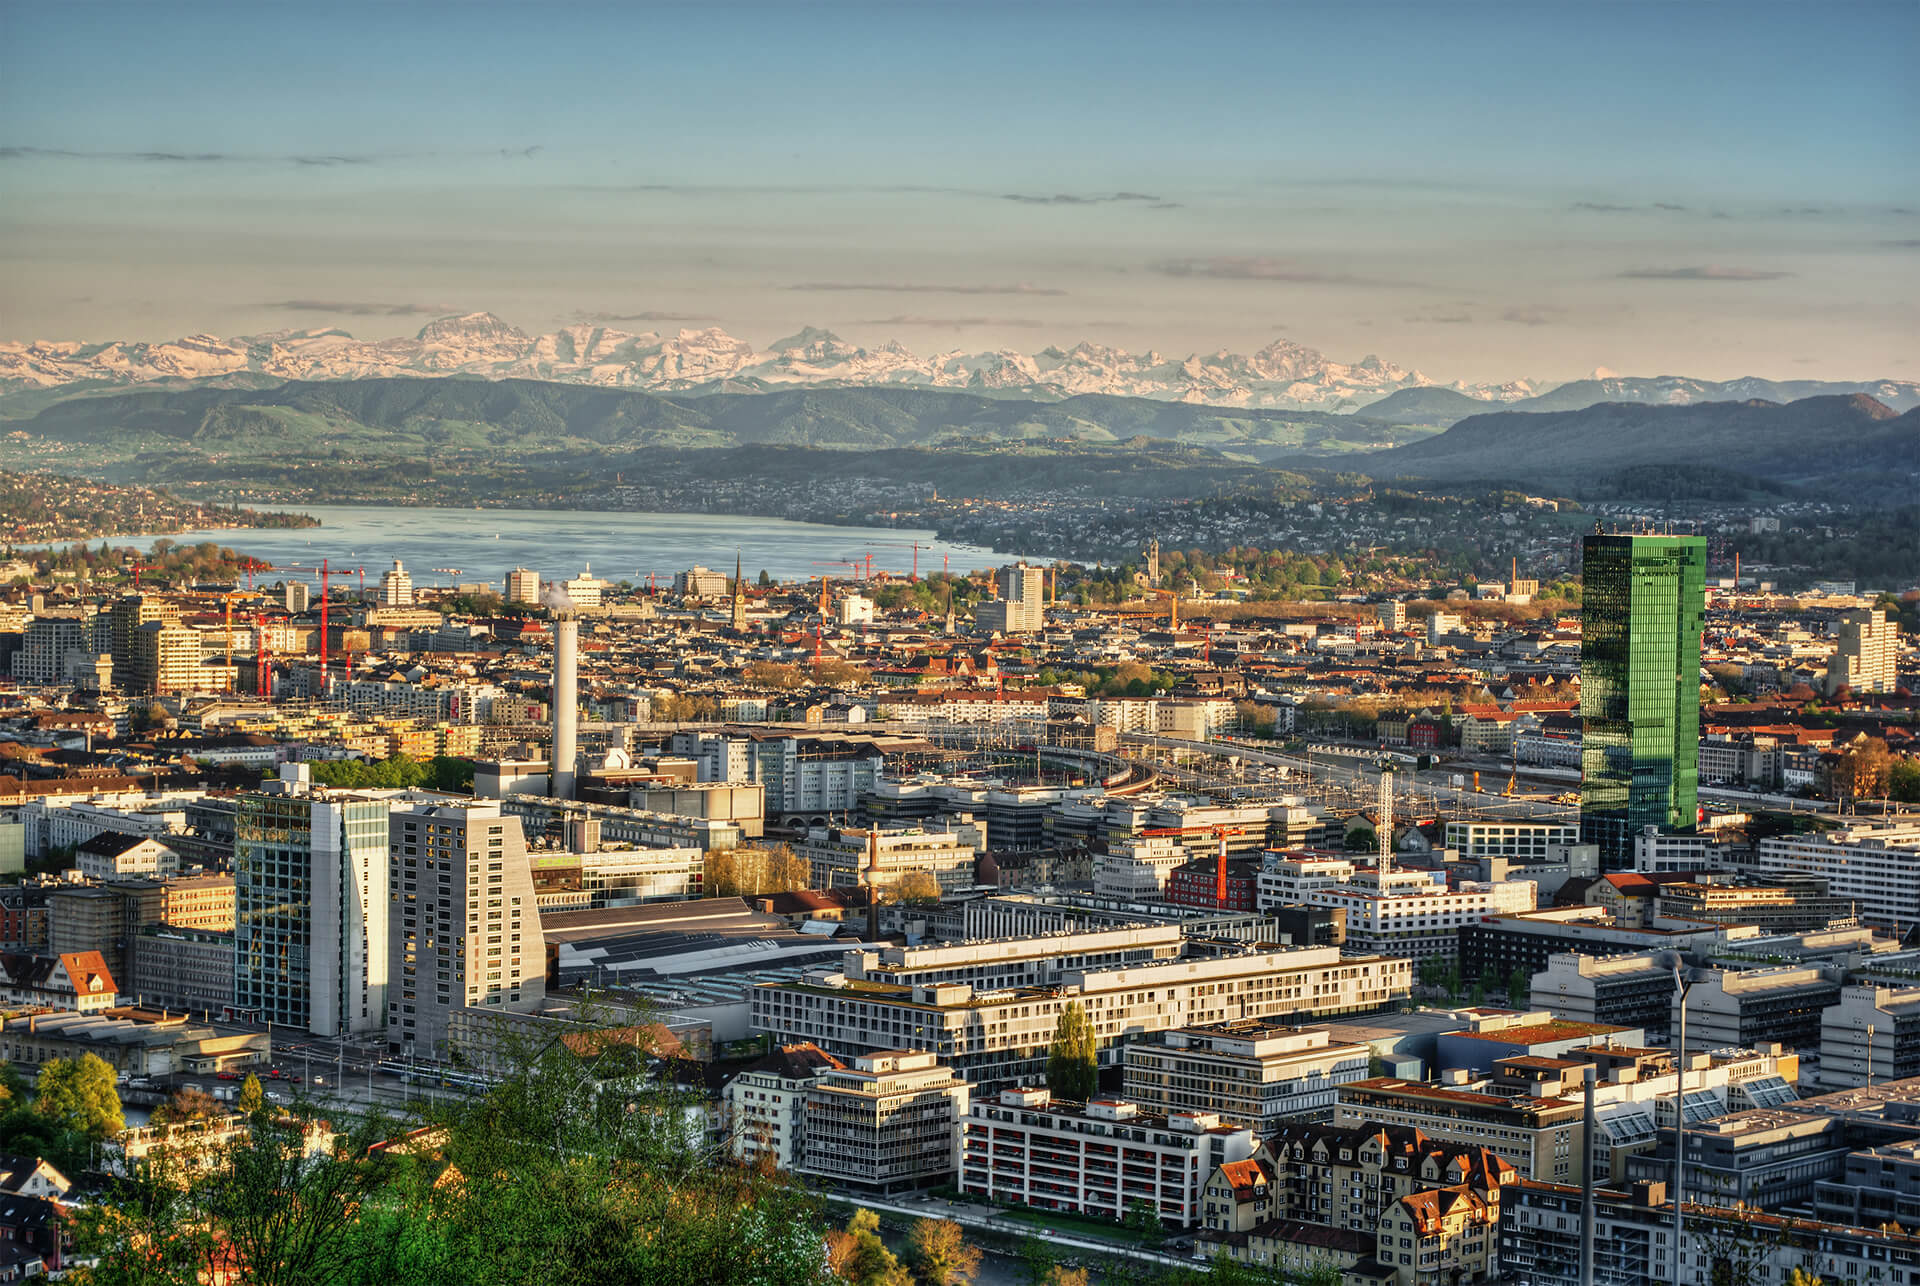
x,y
252,1097
1864,770
918,888
1144,1222
858,1255
773,674
185,1105
754,870
80,1094
939,1253
1073,1068
13,1087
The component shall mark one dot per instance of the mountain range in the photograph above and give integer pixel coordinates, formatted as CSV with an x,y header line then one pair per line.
x,y
1282,376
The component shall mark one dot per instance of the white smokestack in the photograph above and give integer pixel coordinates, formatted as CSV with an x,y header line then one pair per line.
x,y
566,704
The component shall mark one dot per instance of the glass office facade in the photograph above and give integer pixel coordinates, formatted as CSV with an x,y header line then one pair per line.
x,y
1643,605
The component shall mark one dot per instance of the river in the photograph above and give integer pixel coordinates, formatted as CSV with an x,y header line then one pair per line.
x,y
484,544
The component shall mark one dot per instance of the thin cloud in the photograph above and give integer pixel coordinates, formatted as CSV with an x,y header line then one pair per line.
x,y
1442,319
1260,268
181,158
1070,198
359,308
1908,243
926,288
607,318
1533,316
947,323
1704,272
1607,207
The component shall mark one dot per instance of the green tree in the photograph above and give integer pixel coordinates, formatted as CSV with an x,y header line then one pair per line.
x,y
1073,1067
939,1253
1144,1223
252,1097
857,1255
918,888
80,1094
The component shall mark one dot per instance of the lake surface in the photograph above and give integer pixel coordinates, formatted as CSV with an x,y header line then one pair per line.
x,y
485,544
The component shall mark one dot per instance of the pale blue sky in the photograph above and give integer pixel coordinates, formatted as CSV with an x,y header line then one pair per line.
x,y
1483,191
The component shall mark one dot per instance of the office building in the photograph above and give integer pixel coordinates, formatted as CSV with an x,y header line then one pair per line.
x,y
1873,864
1518,842
1745,1008
1643,606
1002,1035
1869,1035
1541,1137
887,1120
852,857
523,586
1098,1158
311,946
1867,655
51,650
701,583
466,929
1250,1073
1393,616
165,659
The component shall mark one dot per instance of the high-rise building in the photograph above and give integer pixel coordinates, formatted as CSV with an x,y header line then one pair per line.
x,y
1021,607
396,586
523,586
466,929
165,658
1643,605
1864,660
52,648
311,948
296,596
125,617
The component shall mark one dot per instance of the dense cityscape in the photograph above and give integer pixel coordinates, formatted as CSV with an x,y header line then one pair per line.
x,y
962,644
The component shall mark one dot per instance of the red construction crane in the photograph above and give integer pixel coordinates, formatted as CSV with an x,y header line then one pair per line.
x,y
323,629
1220,858
260,683
142,567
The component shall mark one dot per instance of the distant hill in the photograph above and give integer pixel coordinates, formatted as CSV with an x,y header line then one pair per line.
x,y
1439,407
1818,441
405,416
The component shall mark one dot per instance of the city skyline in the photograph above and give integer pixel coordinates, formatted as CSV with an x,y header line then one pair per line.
x,y
1450,191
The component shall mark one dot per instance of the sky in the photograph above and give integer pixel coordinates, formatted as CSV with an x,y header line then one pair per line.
x,y
1480,191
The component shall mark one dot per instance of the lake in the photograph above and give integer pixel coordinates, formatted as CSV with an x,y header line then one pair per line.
x,y
485,544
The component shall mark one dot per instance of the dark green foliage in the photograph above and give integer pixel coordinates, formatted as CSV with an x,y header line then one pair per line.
x,y
1073,1069
442,772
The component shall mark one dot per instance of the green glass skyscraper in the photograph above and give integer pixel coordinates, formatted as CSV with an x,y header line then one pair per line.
x,y
1643,605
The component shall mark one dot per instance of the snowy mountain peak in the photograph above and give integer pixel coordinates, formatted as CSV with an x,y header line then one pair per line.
x,y
1284,375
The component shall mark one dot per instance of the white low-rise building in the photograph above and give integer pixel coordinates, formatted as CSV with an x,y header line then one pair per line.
x,y
1875,863
1251,1073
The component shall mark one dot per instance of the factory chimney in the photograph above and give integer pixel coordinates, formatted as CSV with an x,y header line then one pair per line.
x,y
566,701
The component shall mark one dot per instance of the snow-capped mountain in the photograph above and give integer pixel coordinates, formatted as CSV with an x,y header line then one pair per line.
x,y
1284,375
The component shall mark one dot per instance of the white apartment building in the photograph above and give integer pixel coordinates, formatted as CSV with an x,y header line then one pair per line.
x,y
1515,841
1096,1158
523,586
1398,913
1136,870
841,858
1003,1035
396,586
1248,1073
108,856
1867,657
51,648
69,823
465,927
1875,863
856,609
765,1106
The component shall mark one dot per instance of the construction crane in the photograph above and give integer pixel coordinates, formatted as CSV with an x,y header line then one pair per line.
x,y
142,567
260,681
227,601
1173,606
1220,856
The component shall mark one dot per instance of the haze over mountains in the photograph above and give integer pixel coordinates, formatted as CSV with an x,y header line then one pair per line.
x,y
1282,376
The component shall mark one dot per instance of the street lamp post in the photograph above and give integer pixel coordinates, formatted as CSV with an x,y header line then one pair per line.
x,y
1684,985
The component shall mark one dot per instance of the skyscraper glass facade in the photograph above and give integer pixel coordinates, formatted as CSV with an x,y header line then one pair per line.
x,y
1643,605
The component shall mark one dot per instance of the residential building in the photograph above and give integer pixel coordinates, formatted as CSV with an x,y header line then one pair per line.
x,y
311,946
1247,1072
1098,1158
465,926
76,981
110,856
1643,607
1385,1203
1539,1136
523,586
765,1105
886,1120
1866,657
396,586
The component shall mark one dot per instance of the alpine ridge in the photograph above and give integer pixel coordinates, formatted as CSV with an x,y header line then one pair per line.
x,y
1282,376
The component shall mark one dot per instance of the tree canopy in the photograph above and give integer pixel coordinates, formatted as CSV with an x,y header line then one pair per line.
x,y
1073,1069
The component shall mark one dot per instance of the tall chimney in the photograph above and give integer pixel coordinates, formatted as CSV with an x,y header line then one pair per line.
x,y
566,703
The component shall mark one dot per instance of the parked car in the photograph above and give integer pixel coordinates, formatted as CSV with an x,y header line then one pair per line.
x,y
227,1076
